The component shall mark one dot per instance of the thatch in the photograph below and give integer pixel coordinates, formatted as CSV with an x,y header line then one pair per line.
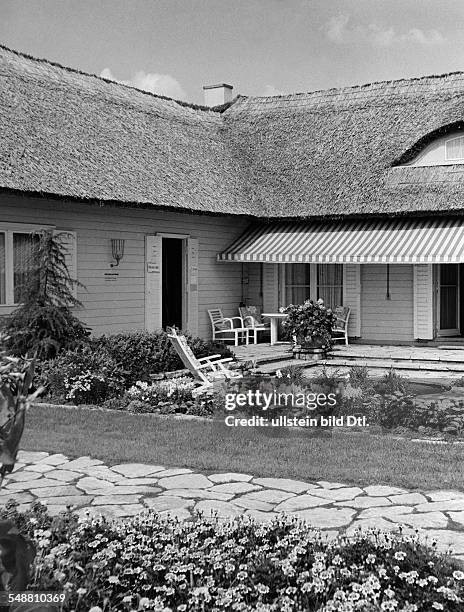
x,y
334,152
80,136
331,152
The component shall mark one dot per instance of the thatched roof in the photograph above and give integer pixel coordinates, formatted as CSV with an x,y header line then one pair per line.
x,y
80,136
332,152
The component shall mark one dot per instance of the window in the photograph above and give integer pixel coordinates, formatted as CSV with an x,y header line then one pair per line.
x,y
314,281
18,264
330,284
455,148
297,283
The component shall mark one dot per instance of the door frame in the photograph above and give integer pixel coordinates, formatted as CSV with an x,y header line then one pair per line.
x,y
184,238
443,333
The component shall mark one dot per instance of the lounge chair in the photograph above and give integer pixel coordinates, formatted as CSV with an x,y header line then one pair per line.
x,y
251,316
340,329
223,327
205,370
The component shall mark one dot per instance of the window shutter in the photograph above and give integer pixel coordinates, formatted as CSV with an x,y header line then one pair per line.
x,y
352,297
270,287
69,241
423,301
192,286
153,290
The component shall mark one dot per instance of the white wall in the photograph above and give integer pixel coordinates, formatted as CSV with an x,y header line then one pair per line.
x,y
116,306
382,319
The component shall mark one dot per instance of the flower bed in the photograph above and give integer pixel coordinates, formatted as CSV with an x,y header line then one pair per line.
x,y
160,564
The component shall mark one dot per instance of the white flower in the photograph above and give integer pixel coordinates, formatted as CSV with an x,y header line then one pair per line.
x,y
458,575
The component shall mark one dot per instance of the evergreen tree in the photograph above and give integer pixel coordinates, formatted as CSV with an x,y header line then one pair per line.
x,y
44,322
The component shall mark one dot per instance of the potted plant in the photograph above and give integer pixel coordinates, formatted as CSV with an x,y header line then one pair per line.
x,y
310,324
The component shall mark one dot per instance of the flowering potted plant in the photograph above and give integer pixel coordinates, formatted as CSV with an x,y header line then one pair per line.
x,y
310,323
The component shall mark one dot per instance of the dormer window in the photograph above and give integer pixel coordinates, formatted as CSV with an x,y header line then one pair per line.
x,y
454,149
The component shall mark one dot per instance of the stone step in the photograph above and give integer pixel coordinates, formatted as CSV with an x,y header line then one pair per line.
x,y
429,366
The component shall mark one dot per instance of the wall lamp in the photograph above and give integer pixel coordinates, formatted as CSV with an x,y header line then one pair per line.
x,y
117,250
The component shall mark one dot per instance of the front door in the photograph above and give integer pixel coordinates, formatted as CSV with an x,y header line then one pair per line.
x,y
448,300
173,256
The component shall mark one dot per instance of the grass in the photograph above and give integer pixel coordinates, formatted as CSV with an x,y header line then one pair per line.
x,y
210,446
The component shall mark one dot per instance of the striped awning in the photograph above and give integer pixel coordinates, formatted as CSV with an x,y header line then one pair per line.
x,y
365,241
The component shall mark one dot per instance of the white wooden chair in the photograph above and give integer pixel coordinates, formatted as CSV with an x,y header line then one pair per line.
x,y
340,329
223,327
251,316
205,370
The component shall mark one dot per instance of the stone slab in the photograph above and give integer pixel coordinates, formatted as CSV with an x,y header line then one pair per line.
x,y
167,503
271,496
390,512
218,508
443,506
90,484
437,496
285,484
408,499
185,481
112,511
75,501
383,490
326,518
65,475
41,468
197,494
34,484
330,485
253,504
126,490
259,516
47,492
364,501
338,494
181,514
20,497
173,472
235,488
21,476
446,539
457,517
301,502
54,460
229,477
103,500
136,470
423,520
369,524
81,462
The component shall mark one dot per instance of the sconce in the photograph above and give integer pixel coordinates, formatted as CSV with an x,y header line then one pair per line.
x,y
117,250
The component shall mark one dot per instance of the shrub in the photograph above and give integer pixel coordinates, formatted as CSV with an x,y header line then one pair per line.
x,y
143,353
44,323
310,322
155,563
391,383
84,376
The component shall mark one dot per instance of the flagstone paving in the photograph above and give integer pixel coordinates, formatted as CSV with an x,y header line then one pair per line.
x,y
91,487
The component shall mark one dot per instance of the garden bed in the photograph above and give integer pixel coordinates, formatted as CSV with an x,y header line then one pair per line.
x,y
157,563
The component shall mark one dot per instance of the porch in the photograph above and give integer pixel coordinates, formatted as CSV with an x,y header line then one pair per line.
x,y
411,361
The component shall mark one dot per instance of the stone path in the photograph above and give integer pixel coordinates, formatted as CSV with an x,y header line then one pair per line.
x,y
88,485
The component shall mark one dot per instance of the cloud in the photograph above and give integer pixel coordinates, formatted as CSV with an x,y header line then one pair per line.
x,y
339,31
270,90
161,84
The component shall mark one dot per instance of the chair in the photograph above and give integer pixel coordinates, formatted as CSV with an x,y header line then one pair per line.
x,y
340,329
225,326
204,370
251,316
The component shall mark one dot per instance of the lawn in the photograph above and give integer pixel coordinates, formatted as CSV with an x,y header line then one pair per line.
x,y
210,446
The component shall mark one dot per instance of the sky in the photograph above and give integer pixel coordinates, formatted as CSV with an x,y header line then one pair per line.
x,y
261,47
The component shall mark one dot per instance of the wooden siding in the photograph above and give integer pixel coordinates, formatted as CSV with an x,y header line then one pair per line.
x,y
382,319
111,306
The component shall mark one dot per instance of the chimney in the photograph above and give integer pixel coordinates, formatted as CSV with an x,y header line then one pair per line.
x,y
215,95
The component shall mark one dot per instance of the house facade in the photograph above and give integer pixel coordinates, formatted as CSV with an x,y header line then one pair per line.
x,y
352,195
